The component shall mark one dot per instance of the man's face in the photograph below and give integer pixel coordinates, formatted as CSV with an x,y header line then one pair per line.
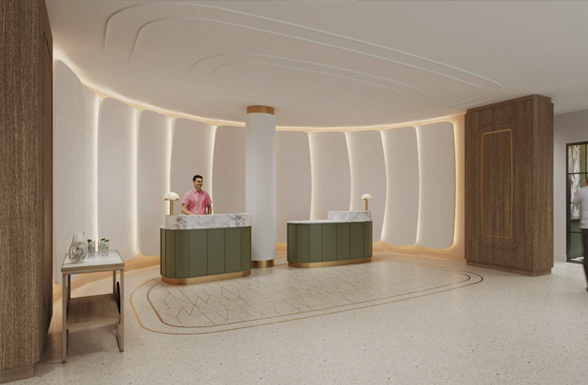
x,y
198,184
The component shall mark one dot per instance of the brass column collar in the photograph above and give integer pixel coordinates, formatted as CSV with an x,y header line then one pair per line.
x,y
260,110
262,264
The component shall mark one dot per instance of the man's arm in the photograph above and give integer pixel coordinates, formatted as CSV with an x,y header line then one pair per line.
x,y
185,210
209,209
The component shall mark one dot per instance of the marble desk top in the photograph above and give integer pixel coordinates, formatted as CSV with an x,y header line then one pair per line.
x,y
341,217
350,216
111,262
214,221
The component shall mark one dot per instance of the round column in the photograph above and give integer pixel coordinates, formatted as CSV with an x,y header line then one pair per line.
x,y
260,181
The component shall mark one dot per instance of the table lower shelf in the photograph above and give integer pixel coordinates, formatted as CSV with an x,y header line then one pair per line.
x,y
96,310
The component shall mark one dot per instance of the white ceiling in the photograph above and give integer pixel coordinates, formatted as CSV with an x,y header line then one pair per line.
x,y
326,64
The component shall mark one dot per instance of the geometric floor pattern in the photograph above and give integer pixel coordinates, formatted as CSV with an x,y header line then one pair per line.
x,y
285,294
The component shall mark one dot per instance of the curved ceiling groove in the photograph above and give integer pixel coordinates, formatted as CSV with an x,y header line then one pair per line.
x,y
313,64
138,57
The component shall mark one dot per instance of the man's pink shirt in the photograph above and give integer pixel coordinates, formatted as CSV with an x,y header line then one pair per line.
x,y
196,202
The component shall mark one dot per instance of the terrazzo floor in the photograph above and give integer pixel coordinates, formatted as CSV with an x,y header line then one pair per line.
x,y
396,320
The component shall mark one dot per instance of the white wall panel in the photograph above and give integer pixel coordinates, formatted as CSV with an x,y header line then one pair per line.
x,y
293,180
153,165
117,176
74,133
229,170
437,185
368,175
330,173
192,148
402,186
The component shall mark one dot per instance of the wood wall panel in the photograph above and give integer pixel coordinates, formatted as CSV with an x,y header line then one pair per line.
x,y
509,185
26,222
496,184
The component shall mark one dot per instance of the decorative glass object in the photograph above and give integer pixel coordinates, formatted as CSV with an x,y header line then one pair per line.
x,y
91,248
78,250
103,247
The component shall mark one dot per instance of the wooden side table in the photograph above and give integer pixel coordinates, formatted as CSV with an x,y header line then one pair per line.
x,y
96,310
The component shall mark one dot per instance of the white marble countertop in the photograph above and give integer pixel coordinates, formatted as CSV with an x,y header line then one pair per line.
x,y
341,217
214,221
112,261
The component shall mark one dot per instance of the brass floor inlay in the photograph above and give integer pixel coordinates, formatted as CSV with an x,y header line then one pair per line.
x,y
283,294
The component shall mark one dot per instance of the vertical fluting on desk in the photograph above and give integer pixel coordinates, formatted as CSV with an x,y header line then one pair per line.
x,y
260,200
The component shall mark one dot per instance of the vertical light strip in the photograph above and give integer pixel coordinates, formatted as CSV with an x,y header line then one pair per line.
x,y
385,223
351,173
419,208
313,183
134,179
459,146
169,149
211,161
94,158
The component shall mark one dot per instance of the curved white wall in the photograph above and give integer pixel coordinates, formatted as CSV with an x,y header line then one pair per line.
x,y
117,176
293,180
330,173
153,165
437,185
402,196
124,167
192,148
229,170
368,175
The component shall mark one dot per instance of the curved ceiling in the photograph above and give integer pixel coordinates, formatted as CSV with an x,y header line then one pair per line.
x,y
325,64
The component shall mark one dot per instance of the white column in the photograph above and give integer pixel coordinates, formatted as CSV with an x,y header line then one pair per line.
x,y
260,200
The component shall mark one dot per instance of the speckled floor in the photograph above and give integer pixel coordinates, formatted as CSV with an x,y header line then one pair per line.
x,y
428,324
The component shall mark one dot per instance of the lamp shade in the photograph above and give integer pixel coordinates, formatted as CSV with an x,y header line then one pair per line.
x,y
366,196
171,196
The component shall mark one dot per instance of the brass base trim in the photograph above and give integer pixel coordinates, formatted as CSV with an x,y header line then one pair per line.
x,y
262,264
260,110
507,269
206,278
330,263
17,374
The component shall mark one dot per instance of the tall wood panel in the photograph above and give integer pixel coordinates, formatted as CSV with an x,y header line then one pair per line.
x,y
509,185
26,207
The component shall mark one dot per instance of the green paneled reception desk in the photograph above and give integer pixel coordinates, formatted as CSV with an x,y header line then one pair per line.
x,y
204,248
345,238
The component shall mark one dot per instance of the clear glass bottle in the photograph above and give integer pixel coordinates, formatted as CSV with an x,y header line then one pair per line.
x,y
103,247
91,248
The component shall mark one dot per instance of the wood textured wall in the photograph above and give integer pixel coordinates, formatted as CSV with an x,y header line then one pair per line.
x,y
509,185
26,163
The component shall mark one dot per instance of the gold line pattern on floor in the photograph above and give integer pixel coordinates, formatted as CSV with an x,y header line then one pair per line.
x,y
284,294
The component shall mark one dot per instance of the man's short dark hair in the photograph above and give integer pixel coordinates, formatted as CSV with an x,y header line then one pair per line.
x,y
197,176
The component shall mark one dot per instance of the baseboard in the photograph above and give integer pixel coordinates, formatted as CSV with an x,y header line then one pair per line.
x,y
515,270
16,374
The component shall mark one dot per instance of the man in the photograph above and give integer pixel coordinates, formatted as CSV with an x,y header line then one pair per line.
x,y
581,199
197,201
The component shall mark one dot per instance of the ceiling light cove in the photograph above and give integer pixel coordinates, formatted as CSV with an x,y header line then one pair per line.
x,y
210,61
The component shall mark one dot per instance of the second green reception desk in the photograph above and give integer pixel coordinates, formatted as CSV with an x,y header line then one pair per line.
x,y
205,248
329,242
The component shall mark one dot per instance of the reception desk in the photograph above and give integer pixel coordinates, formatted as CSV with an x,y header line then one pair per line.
x,y
345,238
204,248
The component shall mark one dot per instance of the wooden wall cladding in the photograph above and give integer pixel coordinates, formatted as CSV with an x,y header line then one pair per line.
x,y
509,185
26,171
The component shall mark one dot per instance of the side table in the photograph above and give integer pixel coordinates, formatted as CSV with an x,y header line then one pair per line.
x,y
96,310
